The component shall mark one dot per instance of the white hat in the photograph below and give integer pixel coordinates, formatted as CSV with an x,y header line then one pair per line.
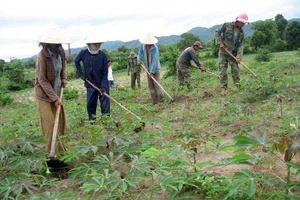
x,y
148,39
92,39
53,35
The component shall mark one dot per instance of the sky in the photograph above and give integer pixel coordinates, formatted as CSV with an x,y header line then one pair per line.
x,y
23,21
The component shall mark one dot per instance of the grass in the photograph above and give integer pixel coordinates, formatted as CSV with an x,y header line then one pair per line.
x,y
207,144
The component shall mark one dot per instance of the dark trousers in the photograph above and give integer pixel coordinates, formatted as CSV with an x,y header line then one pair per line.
x,y
92,96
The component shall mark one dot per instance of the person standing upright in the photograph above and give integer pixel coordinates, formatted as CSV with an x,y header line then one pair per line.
x,y
96,71
184,62
50,77
110,74
149,52
134,70
231,36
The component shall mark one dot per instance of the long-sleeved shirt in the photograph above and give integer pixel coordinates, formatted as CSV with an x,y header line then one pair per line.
x,y
95,68
45,75
152,63
132,66
187,55
226,35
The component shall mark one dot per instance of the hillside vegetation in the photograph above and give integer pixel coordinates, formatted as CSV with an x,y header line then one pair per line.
x,y
207,144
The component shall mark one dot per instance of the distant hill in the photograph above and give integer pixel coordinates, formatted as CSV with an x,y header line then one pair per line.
x,y
205,34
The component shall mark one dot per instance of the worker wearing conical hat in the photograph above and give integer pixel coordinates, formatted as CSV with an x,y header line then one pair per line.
x,y
50,77
149,54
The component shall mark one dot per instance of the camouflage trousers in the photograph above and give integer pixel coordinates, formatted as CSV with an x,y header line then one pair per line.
x,y
135,78
183,74
223,65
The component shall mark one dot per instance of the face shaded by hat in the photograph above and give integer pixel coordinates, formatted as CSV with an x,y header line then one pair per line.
x,y
198,44
132,55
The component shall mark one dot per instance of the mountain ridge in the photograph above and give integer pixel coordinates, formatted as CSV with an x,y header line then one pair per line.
x,y
205,34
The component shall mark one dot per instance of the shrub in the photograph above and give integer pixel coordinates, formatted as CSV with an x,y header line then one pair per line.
x,y
5,99
211,65
263,55
70,93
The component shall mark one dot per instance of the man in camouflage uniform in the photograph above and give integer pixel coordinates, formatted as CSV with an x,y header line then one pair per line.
x,y
184,62
231,36
135,70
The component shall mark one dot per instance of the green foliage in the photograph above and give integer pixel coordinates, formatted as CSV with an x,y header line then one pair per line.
x,y
70,93
169,58
281,23
4,98
265,33
205,145
210,65
292,35
187,40
279,45
263,55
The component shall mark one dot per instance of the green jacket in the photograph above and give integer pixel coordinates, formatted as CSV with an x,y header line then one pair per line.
x,y
225,34
133,66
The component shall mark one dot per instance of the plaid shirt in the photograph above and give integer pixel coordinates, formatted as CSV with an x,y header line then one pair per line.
x,y
44,76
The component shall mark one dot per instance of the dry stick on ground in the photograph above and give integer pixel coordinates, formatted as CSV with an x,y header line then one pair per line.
x,y
156,82
104,93
240,62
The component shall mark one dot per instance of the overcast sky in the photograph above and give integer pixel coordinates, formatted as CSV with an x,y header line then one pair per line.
x,y
126,20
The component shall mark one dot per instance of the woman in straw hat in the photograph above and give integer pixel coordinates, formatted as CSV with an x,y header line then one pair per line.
x,y
50,77
149,52
95,70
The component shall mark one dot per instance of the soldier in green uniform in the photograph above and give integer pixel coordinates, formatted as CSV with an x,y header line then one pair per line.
x,y
231,36
134,69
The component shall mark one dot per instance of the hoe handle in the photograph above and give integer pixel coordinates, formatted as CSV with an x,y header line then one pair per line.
x,y
240,62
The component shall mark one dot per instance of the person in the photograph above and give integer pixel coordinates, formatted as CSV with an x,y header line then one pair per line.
x,y
95,70
110,74
231,36
149,52
134,69
50,77
184,62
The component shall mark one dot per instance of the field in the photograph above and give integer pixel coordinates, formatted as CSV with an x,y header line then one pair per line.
x,y
242,143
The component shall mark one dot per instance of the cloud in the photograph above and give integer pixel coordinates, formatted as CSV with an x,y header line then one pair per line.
x,y
122,20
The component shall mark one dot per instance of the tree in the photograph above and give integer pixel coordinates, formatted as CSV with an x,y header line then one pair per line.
x,y
187,40
281,23
15,73
30,64
258,39
122,49
265,33
2,63
169,58
292,35
279,45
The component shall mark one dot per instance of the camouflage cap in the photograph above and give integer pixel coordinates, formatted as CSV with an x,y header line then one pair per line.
x,y
197,43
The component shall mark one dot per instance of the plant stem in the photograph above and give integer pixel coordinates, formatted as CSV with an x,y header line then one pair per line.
x,y
287,186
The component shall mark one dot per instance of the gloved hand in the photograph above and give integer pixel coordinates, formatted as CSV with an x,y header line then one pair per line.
x,y
102,90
